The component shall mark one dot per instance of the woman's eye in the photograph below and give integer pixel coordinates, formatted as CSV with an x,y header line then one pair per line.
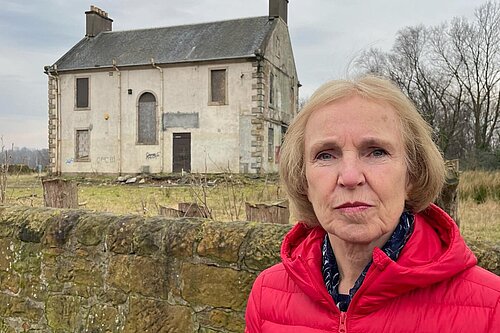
x,y
379,153
324,156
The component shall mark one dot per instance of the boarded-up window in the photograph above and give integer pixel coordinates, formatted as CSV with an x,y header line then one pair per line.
x,y
271,89
82,92
218,86
270,143
146,120
82,145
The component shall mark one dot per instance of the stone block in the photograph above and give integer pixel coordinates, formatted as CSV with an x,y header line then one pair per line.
x,y
222,244
256,143
149,315
118,237
113,296
255,132
148,237
180,237
143,275
6,253
33,287
263,247
215,286
220,319
102,318
27,258
25,308
10,281
91,228
59,230
88,273
62,312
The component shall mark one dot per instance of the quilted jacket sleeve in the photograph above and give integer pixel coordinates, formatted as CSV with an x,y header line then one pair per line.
x,y
252,315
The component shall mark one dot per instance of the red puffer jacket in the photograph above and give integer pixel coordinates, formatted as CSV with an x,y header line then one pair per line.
x,y
435,286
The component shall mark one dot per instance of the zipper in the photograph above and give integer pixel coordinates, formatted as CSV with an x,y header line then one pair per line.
x,y
342,324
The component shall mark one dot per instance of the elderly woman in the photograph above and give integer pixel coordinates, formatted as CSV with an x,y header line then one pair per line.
x,y
371,253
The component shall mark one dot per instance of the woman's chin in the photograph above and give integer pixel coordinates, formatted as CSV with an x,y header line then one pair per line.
x,y
356,234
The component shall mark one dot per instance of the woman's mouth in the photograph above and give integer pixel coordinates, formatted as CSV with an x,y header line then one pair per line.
x,y
353,207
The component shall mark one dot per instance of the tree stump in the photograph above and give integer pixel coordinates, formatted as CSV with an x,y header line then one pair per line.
x,y
271,212
448,198
60,193
170,212
191,209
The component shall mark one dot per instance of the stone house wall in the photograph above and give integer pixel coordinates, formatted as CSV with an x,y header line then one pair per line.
x,y
181,93
76,271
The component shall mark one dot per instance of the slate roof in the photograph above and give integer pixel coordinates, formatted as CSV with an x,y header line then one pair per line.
x,y
197,42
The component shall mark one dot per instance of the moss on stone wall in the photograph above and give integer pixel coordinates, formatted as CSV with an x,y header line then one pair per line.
x,y
76,271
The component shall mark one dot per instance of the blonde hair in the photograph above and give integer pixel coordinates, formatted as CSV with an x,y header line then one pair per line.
x,y
426,168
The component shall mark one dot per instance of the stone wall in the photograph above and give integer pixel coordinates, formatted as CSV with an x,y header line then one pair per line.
x,y
75,271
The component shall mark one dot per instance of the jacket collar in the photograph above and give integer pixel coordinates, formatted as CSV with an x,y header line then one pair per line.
x,y
435,252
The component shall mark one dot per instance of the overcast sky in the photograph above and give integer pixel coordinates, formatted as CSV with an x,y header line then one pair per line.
x,y
326,35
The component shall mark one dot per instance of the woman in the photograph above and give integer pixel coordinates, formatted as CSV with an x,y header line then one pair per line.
x,y
371,253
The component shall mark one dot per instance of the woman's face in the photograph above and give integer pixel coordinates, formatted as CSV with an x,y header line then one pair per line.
x,y
355,169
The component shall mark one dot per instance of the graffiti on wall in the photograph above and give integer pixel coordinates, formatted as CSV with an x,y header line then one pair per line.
x,y
70,160
106,159
152,156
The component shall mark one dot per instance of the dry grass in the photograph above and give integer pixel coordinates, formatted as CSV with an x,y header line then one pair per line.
x,y
480,185
479,207
480,221
226,199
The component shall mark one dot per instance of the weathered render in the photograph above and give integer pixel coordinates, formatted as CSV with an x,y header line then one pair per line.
x,y
76,271
173,75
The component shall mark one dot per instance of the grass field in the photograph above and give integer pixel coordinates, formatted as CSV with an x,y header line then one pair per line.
x,y
479,192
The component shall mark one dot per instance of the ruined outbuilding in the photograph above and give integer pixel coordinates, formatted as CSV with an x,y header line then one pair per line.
x,y
208,97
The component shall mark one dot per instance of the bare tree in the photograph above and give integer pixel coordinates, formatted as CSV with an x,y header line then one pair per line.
x,y
470,51
452,74
409,64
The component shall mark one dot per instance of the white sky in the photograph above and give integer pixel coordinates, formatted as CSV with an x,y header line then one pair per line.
x,y
326,35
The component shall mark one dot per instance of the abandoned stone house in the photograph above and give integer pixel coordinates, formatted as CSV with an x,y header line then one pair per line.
x,y
209,97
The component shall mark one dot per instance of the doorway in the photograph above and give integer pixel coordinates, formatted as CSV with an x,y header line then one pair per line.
x,y
181,160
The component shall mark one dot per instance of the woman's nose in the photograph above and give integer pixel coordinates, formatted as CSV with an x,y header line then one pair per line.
x,y
351,173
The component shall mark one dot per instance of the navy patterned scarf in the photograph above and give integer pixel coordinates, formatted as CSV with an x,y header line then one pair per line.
x,y
392,248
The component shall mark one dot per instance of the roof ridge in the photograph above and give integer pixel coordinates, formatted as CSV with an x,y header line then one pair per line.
x,y
186,25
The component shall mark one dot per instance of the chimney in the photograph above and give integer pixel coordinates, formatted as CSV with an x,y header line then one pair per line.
x,y
278,8
97,21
